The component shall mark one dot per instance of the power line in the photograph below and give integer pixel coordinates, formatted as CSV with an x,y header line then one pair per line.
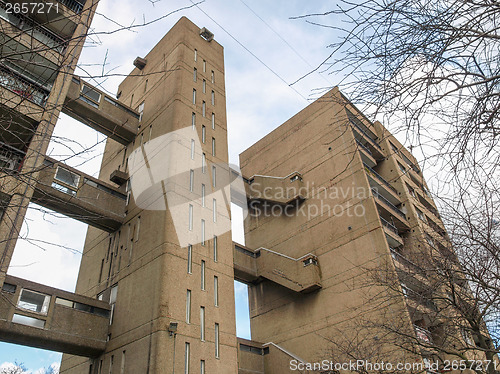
x,y
246,49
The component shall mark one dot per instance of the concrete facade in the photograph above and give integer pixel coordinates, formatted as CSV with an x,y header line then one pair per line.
x,y
331,196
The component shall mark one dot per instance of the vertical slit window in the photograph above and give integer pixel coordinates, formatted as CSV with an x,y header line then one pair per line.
x,y
217,353
122,368
202,275
216,254
192,149
214,176
202,232
202,323
195,54
204,65
188,306
204,86
213,121
214,209
203,108
216,290
190,259
191,180
194,96
213,146
213,97
203,134
203,163
203,195
202,367
186,359
193,120
190,217
111,364
213,77
195,73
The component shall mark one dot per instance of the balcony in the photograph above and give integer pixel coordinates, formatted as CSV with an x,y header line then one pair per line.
x,y
278,190
101,112
391,233
74,5
423,335
299,275
407,265
23,87
366,154
31,29
393,208
381,181
44,317
11,159
80,196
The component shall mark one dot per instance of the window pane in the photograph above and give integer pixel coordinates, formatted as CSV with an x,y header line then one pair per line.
x,y
34,301
203,275
202,323
190,259
188,306
66,176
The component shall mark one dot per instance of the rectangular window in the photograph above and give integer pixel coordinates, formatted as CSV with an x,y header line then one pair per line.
x,y
216,290
190,217
34,301
190,259
203,134
213,146
193,120
203,108
146,85
196,55
204,65
191,180
216,254
150,132
213,97
217,353
203,163
203,275
214,209
420,215
202,323
188,306
402,168
67,177
112,301
213,77
192,149
122,368
111,364
204,86
195,73
202,232
411,190
194,96
186,359
213,121
203,195
138,226
202,367
141,111
214,176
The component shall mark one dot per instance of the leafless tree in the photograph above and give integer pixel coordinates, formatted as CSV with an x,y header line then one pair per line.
x,y
432,67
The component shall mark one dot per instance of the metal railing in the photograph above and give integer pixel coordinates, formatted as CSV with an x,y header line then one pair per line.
x,y
74,5
423,334
389,225
379,177
10,158
31,28
23,87
365,134
364,147
403,260
387,202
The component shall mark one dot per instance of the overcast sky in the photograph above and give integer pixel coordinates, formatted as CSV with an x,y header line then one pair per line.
x,y
265,51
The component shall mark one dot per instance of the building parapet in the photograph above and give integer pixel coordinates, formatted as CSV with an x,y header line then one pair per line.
x,y
44,317
297,274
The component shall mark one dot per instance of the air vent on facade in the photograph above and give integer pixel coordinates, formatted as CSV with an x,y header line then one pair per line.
x,y
140,63
206,34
